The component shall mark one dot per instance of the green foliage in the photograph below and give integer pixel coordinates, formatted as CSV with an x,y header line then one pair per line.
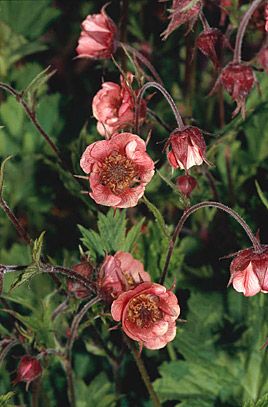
x,y
98,393
6,398
112,234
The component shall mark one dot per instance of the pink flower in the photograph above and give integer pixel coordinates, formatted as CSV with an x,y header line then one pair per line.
x,y
119,169
28,370
210,42
182,12
249,272
188,148
120,273
266,17
98,38
85,270
113,106
148,314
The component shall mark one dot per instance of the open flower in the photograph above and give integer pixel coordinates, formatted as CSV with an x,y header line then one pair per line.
x,y
249,271
84,269
238,80
28,370
113,106
148,314
120,273
119,169
98,37
187,148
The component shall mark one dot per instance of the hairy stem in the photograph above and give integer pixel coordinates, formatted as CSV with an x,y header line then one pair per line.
x,y
168,98
256,244
241,30
70,382
204,21
143,372
14,220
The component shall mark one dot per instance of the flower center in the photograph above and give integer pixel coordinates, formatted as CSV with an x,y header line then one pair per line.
x,y
118,173
143,310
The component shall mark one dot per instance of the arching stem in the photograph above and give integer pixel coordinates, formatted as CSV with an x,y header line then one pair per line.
x,y
242,28
256,244
204,21
168,98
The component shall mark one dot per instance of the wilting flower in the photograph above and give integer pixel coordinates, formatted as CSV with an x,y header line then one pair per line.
x,y
187,148
120,273
98,38
249,271
186,184
28,370
148,314
119,169
238,80
182,11
84,269
210,42
262,58
113,106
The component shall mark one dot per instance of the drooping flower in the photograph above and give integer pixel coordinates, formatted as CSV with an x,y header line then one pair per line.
x,y
79,290
119,169
210,43
29,369
113,106
266,17
238,80
249,271
186,184
120,273
98,38
186,148
148,314
182,11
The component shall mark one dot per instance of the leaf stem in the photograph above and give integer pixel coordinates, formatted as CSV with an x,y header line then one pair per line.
x,y
242,28
256,244
143,372
158,216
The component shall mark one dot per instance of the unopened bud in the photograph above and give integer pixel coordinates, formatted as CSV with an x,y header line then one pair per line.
x,y
186,184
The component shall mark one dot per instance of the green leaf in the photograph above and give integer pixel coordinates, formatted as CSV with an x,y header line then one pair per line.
x,y
37,248
100,392
5,398
261,195
158,217
132,236
262,402
112,228
2,172
24,277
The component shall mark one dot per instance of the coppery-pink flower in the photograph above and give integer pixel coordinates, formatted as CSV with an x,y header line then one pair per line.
x,y
249,271
119,169
120,273
28,369
186,148
113,106
84,269
148,314
182,11
98,38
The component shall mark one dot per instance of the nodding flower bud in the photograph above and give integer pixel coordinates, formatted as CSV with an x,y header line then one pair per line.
x,y
187,148
249,271
98,38
28,370
238,80
210,42
186,184
84,269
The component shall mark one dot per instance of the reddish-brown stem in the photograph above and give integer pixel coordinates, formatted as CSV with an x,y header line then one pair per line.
x,y
242,28
31,114
168,98
256,244
204,21
19,228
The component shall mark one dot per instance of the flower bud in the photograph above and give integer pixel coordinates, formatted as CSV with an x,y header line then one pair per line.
x,y
238,80
84,269
28,370
98,38
210,42
187,148
186,184
249,271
